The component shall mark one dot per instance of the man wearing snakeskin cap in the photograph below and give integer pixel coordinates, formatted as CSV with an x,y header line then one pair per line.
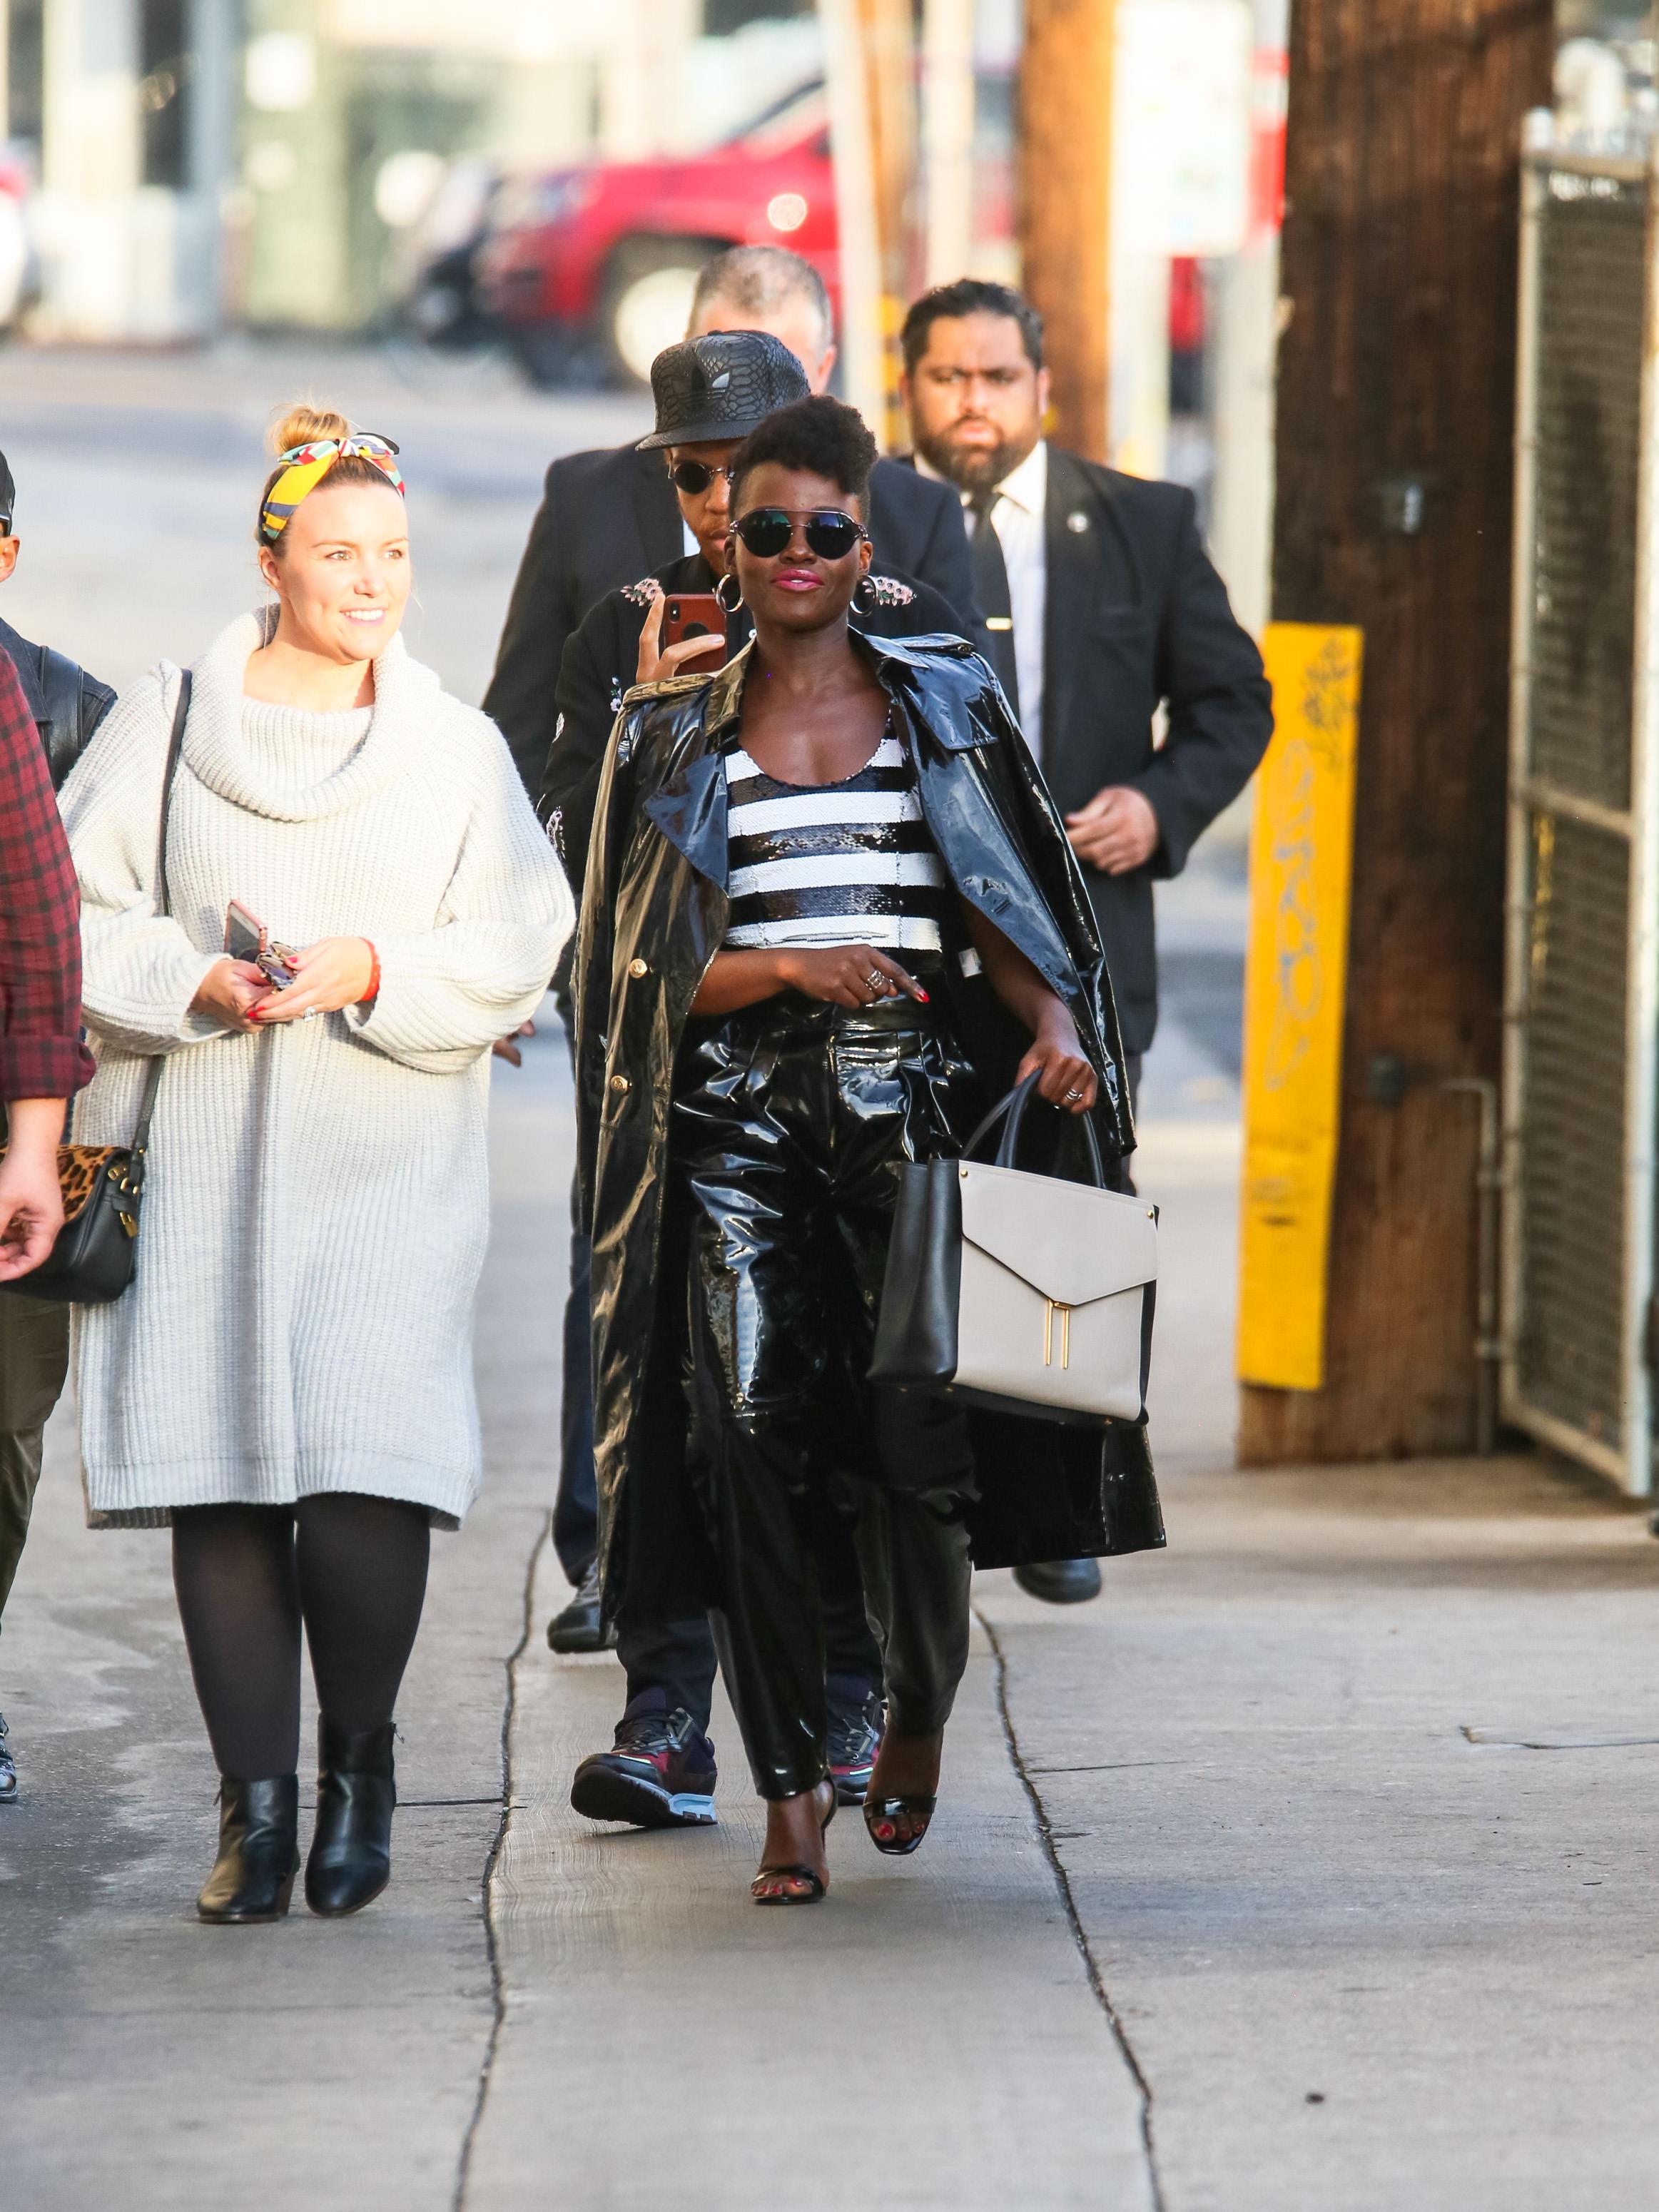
x,y
710,392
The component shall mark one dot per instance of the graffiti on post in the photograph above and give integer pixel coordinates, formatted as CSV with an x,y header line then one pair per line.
x,y
1300,857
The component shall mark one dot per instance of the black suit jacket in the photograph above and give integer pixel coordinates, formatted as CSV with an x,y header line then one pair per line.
x,y
1136,617
608,517
602,658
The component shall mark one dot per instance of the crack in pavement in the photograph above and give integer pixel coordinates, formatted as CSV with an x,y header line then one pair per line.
x,y
1048,1837
497,1987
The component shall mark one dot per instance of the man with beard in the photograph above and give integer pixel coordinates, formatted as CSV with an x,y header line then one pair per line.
x,y
1102,605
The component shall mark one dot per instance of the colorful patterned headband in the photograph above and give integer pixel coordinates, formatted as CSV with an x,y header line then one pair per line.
x,y
303,468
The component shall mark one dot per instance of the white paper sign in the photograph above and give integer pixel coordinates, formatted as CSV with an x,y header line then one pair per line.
x,y
1181,162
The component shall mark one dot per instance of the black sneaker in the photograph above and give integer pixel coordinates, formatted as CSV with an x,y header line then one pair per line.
x,y
856,1718
659,1774
578,1627
8,1767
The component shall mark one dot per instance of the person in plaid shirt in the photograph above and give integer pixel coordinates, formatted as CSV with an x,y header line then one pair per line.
x,y
43,1063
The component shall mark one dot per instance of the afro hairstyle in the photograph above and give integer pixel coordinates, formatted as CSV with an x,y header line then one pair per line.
x,y
819,435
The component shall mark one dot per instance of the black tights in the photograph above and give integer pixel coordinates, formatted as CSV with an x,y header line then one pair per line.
x,y
352,1568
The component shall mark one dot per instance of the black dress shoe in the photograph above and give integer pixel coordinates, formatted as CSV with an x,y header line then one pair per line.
x,y
350,1860
252,1878
579,1626
1061,1581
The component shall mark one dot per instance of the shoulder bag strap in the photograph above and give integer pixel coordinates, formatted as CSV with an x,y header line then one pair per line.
x,y
163,905
60,695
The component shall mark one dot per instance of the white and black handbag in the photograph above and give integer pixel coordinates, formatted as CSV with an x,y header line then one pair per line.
x,y
1029,1293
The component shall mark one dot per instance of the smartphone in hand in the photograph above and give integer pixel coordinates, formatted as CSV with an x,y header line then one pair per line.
x,y
696,614
247,939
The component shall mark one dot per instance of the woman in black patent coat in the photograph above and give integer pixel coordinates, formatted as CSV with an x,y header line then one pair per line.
x,y
719,1305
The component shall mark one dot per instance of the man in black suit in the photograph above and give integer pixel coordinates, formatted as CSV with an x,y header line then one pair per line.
x,y
1102,605
607,520
710,392
608,517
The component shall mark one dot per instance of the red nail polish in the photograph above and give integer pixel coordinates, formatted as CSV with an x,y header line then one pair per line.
x,y
923,996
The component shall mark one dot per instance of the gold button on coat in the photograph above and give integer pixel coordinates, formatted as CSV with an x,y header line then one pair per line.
x,y
620,1082
639,968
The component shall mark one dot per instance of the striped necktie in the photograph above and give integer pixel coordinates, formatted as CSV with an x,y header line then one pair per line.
x,y
991,589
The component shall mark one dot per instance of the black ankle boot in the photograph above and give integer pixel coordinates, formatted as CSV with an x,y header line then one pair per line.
x,y
252,1878
350,1860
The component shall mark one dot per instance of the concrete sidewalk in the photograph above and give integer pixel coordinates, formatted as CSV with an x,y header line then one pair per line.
x,y
149,2061
1245,1892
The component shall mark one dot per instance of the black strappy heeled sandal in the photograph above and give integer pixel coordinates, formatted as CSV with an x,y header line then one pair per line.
x,y
891,1810
817,1887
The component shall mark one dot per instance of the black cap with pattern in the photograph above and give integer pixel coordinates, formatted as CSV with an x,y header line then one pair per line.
x,y
722,386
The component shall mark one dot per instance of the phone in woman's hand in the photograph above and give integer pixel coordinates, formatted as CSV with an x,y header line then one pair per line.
x,y
247,939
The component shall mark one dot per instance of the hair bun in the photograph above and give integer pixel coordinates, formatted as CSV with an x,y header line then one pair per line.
x,y
303,425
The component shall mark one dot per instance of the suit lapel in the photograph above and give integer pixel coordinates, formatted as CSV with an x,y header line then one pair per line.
x,y
1072,580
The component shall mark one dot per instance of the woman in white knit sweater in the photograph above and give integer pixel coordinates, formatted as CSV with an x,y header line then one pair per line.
x,y
288,1381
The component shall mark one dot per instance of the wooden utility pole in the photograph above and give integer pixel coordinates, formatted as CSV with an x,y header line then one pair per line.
x,y
870,69
1396,376
1065,203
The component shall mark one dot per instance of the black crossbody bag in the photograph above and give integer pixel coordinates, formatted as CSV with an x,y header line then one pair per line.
x,y
95,1254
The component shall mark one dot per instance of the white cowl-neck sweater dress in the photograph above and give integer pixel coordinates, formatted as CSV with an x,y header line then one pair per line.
x,y
316,1206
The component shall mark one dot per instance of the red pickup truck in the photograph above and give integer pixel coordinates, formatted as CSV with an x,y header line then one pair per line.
x,y
591,270
601,260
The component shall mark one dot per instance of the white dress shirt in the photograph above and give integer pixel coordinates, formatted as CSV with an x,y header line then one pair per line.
x,y
1018,518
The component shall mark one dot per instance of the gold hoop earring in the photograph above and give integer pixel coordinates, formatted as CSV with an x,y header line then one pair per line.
x,y
727,607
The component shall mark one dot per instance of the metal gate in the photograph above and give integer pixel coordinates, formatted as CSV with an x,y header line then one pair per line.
x,y
1582,988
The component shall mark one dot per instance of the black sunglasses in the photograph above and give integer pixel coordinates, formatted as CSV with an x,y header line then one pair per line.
x,y
697,476
830,534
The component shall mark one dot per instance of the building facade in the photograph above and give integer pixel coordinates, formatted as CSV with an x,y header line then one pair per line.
x,y
200,162
124,114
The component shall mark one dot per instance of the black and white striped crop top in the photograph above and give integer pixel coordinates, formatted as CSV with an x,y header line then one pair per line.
x,y
848,863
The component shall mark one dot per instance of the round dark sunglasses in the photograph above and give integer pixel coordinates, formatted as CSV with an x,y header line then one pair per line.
x,y
694,476
766,531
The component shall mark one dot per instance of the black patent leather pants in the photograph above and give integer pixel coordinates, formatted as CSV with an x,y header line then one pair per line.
x,y
791,1121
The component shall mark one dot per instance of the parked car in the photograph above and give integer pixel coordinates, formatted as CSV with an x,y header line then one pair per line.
x,y
601,261
434,280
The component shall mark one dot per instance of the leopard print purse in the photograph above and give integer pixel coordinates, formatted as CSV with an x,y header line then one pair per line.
x,y
90,1264
93,1257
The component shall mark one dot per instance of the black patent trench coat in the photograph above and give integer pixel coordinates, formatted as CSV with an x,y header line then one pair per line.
x,y
653,916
